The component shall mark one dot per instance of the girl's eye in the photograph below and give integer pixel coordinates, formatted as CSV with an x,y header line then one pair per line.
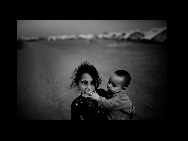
x,y
84,82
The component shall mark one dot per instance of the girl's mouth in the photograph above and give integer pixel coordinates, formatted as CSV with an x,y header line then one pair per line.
x,y
87,91
90,92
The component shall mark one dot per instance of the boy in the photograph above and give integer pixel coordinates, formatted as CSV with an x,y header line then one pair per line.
x,y
118,103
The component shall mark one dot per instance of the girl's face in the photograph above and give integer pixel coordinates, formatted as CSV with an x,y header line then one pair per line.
x,y
86,83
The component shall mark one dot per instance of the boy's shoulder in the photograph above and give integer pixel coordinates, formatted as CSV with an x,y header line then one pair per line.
x,y
123,99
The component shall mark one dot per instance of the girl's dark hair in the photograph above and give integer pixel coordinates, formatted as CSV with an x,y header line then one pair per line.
x,y
85,67
126,75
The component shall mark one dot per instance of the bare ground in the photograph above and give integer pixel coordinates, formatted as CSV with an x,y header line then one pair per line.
x,y
44,68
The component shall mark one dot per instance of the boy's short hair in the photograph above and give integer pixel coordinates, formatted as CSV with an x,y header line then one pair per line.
x,y
126,75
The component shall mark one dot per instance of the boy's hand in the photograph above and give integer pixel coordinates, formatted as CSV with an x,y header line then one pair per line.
x,y
90,94
94,95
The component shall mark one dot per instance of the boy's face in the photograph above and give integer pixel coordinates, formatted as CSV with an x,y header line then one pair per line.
x,y
86,83
115,84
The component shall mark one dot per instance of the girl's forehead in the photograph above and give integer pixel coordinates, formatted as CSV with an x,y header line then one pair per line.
x,y
86,76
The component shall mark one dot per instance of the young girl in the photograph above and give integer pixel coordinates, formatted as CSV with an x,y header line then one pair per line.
x,y
85,78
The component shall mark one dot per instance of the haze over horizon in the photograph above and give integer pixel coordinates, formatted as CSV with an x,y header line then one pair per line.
x,y
46,28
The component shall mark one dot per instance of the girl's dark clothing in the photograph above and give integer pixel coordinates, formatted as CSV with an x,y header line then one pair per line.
x,y
87,109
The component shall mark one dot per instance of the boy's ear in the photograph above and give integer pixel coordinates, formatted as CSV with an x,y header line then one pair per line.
x,y
124,88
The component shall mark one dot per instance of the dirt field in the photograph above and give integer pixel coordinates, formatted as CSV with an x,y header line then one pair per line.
x,y
44,68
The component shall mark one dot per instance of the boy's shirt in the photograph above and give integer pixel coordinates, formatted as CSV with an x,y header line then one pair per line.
x,y
120,106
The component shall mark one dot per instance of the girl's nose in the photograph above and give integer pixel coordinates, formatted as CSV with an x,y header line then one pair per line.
x,y
89,87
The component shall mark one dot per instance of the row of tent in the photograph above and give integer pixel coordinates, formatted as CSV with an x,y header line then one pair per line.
x,y
154,34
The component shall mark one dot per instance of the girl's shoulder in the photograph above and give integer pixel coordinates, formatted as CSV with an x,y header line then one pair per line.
x,y
102,92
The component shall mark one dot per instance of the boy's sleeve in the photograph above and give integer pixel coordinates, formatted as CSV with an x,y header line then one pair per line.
x,y
108,103
114,103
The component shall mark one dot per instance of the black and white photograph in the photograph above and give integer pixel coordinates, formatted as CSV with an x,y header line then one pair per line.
x,y
91,69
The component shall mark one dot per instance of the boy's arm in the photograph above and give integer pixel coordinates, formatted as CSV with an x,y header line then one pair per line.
x,y
114,102
105,103
108,103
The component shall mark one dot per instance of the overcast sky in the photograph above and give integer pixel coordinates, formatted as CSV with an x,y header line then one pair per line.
x,y
45,28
